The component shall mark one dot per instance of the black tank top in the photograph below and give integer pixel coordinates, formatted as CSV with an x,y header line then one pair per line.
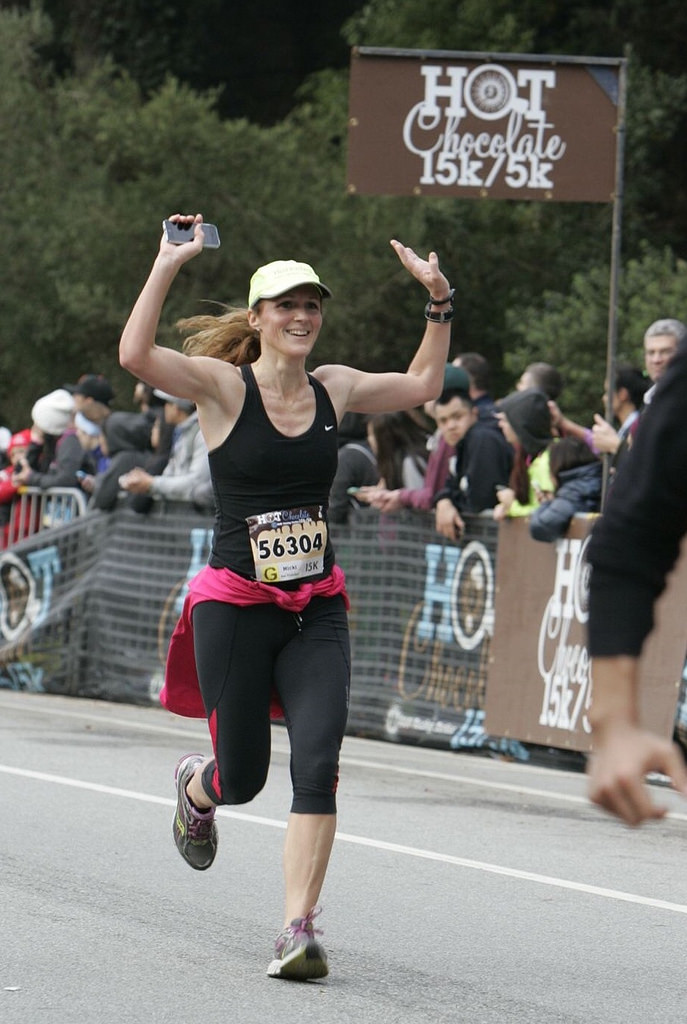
x,y
257,471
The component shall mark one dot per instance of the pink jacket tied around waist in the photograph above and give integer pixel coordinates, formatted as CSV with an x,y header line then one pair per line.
x,y
181,691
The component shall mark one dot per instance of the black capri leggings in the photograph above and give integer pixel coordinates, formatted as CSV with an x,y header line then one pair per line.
x,y
242,654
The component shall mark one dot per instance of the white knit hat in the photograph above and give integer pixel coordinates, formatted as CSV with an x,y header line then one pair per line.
x,y
53,412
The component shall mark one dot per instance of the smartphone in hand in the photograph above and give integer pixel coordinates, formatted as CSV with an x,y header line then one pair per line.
x,y
177,234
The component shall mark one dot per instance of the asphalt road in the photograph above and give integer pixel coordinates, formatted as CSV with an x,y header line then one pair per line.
x,y
461,888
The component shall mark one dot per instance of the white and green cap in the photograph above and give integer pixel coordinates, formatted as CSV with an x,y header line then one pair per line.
x,y
281,276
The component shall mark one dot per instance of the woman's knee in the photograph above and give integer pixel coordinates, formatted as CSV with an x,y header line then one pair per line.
x,y
231,786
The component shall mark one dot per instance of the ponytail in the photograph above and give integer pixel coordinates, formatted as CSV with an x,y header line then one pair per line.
x,y
228,337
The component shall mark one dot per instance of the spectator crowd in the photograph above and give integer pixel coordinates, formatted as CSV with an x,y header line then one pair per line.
x,y
76,440
464,453
521,455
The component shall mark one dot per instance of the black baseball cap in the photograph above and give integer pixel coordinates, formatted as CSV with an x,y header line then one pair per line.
x,y
93,385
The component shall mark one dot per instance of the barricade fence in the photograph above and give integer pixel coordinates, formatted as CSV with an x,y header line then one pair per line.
x,y
470,646
34,509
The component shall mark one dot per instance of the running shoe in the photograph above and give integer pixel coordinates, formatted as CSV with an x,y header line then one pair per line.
x,y
298,955
194,831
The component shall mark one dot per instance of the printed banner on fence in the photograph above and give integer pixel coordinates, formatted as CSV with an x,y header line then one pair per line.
x,y
469,126
439,632
539,680
422,621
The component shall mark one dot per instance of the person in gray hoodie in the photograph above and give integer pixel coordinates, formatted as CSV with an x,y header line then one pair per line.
x,y
186,476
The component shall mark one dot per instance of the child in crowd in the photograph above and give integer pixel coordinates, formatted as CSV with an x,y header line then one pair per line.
x,y
576,472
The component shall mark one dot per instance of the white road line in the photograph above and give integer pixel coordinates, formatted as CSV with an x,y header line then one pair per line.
x,y
353,761
527,876
376,844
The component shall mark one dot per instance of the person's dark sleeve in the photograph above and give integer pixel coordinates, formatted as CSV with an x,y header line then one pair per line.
x,y
354,469
636,542
447,491
451,486
106,485
551,519
62,473
488,467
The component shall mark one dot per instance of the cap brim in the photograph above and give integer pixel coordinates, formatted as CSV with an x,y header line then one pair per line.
x,y
324,291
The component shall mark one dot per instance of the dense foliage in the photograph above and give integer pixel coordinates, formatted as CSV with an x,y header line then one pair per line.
x,y
96,147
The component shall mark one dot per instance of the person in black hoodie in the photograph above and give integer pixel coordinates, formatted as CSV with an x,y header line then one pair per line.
x,y
633,548
483,461
127,437
577,474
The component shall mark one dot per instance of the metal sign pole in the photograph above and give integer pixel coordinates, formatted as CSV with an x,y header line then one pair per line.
x,y
615,263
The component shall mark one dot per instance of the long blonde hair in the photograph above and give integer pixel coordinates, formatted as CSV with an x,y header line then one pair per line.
x,y
228,337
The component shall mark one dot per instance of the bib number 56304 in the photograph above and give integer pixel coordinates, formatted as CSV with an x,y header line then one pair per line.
x,y
277,547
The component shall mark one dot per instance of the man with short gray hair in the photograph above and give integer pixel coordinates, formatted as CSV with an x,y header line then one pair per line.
x,y
661,340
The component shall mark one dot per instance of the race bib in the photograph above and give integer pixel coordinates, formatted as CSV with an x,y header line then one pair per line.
x,y
288,544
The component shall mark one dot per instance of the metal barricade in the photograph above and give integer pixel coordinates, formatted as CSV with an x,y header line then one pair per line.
x,y
34,510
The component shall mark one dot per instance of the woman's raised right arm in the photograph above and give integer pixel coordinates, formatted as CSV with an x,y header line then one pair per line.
x,y
163,368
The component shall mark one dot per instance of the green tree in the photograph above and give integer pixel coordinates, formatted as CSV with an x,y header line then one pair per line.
x,y
88,170
254,54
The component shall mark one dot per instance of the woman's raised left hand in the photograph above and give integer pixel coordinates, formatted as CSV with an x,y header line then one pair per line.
x,y
427,271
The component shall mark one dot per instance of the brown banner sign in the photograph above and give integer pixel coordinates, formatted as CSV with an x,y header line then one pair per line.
x,y
475,126
539,682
